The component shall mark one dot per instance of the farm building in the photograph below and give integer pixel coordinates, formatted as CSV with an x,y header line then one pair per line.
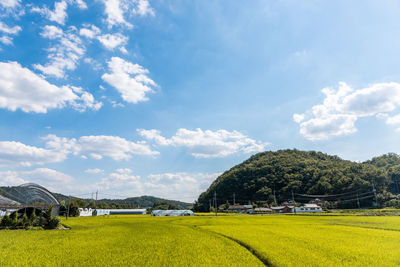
x,y
283,209
120,211
172,213
241,208
308,208
262,210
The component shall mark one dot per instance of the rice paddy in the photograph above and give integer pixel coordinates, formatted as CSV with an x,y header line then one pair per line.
x,y
208,241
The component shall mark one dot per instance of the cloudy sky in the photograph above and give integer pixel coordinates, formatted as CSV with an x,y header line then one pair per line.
x,y
141,97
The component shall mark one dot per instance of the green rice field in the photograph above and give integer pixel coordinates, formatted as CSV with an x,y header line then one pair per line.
x,y
278,240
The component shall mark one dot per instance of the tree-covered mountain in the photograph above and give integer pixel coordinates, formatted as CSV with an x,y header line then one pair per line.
x,y
132,202
303,175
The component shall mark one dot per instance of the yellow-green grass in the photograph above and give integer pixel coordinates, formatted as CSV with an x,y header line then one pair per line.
x,y
280,240
121,241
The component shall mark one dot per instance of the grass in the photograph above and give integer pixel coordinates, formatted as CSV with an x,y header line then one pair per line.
x,y
209,241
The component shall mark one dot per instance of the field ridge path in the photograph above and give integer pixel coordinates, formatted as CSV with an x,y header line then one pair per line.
x,y
254,252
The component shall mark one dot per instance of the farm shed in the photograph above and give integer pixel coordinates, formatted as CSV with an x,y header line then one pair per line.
x,y
172,213
262,210
308,208
241,208
283,209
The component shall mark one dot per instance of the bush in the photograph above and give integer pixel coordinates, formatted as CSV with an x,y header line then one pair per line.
x,y
52,223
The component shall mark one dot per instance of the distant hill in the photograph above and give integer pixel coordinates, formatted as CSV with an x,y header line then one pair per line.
x,y
132,202
298,174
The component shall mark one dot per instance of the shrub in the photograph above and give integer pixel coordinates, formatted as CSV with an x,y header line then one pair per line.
x,y
52,223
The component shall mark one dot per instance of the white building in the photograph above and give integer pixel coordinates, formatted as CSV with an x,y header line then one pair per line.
x,y
308,208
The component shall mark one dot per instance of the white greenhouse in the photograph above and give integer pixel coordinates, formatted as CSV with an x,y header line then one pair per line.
x,y
172,213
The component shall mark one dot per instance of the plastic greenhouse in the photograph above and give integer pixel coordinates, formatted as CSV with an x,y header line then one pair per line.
x,y
172,213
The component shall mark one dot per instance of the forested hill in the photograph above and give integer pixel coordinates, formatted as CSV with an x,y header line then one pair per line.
x,y
132,202
298,174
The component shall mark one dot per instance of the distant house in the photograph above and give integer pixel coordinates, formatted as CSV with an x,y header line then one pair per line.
x,y
308,208
262,210
172,213
283,209
241,208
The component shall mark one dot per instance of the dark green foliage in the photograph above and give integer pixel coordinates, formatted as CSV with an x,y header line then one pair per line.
x,y
163,205
128,203
20,219
304,172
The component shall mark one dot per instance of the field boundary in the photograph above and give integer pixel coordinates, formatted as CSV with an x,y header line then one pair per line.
x,y
254,252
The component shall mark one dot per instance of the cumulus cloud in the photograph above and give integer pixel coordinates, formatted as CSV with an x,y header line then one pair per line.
x,y
16,153
10,3
7,40
49,178
22,89
59,14
108,40
112,41
99,146
9,30
64,55
130,80
182,186
94,171
207,144
341,109
116,11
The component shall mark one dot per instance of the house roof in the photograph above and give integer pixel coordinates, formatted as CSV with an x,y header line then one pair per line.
x,y
311,205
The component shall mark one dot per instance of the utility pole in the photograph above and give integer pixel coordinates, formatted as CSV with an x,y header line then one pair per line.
x,y
234,203
69,204
209,201
373,190
215,203
276,203
294,206
358,201
95,203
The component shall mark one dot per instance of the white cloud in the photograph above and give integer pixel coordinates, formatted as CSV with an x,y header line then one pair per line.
x,y
9,30
129,79
6,40
16,153
11,178
111,41
179,186
116,10
99,146
393,120
341,108
10,3
51,179
94,171
207,144
298,117
81,4
52,32
64,55
90,31
143,8
59,14
22,89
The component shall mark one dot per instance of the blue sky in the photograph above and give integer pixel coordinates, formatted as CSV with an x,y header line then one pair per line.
x,y
141,97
